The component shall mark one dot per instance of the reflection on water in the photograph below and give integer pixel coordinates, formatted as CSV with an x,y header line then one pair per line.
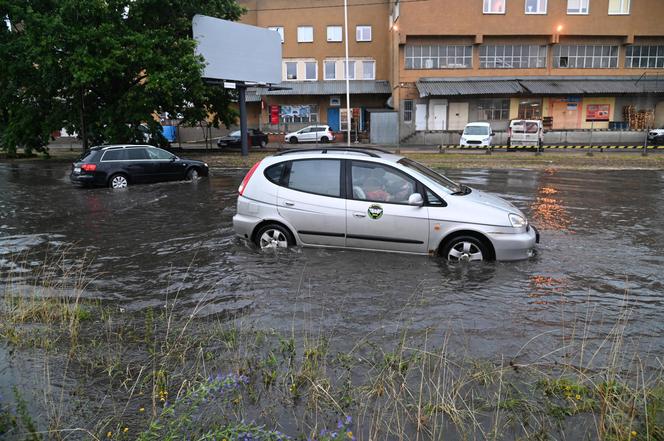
x,y
148,242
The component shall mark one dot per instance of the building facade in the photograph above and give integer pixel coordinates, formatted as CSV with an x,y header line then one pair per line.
x,y
576,64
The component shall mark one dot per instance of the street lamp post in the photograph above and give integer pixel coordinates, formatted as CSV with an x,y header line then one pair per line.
x,y
346,73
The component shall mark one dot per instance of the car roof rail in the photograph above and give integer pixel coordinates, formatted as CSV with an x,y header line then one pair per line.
x,y
369,151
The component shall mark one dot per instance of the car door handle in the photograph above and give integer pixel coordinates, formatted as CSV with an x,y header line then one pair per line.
x,y
359,215
289,204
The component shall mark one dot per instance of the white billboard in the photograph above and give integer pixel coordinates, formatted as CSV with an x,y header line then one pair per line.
x,y
237,52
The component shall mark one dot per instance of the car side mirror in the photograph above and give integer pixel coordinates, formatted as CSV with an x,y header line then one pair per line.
x,y
493,133
461,132
415,199
173,158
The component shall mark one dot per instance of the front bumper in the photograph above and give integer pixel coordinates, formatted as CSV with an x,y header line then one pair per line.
x,y
517,246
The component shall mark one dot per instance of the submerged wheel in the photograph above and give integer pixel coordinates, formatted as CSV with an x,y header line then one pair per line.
x,y
465,249
273,236
293,140
192,174
263,143
118,181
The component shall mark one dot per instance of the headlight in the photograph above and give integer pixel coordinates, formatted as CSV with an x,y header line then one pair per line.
x,y
517,221
463,139
486,140
206,165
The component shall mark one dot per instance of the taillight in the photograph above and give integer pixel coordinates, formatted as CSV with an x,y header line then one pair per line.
x,y
245,181
89,167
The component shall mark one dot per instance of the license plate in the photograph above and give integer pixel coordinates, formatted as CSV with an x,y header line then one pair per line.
x,y
77,169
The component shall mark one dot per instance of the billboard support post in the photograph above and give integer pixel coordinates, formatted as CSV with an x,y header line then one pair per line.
x,y
242,89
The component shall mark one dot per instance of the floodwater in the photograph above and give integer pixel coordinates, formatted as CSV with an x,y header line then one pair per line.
x,y
600,262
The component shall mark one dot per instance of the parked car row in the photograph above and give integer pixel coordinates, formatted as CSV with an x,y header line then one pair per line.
x,y
521,132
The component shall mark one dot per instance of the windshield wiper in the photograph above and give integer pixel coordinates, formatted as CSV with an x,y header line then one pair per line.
x,y
463,189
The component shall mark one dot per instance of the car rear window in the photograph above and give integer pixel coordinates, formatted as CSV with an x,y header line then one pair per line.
x,y
115,155
87,156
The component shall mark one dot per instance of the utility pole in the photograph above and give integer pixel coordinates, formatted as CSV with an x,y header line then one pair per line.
x,y
346,73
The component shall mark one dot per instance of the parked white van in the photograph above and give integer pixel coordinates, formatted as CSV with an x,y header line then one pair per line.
x,y
476,134
525,132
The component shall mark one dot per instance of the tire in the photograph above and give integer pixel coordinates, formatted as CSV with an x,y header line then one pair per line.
x,y
263,143
118,180
293,140
324,140
465,249
273,236
193,174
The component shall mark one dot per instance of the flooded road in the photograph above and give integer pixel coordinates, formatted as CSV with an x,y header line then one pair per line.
x,y
601,258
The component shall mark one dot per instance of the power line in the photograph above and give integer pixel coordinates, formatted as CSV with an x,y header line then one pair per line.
x,y
294,8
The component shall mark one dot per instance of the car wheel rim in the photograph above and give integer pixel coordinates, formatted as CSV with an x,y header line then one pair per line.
x,y
465,252
119,182
193,175
272,239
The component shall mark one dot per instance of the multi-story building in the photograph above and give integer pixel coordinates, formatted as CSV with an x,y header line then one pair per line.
x,y
313,66
578,64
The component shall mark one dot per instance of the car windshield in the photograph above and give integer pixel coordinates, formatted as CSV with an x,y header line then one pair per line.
x,y
436,177
235,134
476,130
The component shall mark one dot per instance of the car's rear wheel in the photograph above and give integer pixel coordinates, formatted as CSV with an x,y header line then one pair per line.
x,y
118,181
293,140
193,174
465,249
273,236
324,140
263,143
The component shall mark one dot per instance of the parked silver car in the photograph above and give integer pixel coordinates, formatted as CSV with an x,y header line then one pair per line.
x,y
370,199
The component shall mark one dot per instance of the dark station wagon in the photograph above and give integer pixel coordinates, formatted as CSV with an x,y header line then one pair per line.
x,y
118,166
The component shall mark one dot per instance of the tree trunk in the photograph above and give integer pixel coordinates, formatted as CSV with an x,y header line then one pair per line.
x,y
84,131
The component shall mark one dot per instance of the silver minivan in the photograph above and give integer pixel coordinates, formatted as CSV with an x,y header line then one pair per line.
x,y
370,199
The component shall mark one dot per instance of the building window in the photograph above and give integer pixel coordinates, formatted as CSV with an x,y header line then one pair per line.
x,y
438,57
585,57
494,6
619,7
535,6
368,70
644,57
512,56
305,34
334,33
330,70
298,114
408,111
363,33
494,110
291,70
310,70
279,29
351,70
577,6
530,109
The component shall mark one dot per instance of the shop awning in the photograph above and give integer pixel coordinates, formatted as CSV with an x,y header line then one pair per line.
x,y
369,87
540,86
451,87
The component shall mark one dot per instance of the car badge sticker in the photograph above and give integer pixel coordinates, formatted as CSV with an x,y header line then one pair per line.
x,y
375,211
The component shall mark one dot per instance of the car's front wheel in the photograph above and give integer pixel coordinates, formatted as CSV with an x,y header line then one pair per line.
x,y
293,140
118,181
263,143
193,174
465,249
273,236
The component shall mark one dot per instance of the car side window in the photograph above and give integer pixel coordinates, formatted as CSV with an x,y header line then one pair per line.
x,y
115,155
159,154
378,183
434,200
139,153
318,176
274,172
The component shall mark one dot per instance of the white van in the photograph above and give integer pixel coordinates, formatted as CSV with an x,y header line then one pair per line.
x,y
525,132
476,134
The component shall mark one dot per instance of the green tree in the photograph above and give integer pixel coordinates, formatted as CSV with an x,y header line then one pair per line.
x,y
102,67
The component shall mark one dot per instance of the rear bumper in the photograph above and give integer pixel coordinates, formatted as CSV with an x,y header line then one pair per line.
x,y
82,180
515,246
244,225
